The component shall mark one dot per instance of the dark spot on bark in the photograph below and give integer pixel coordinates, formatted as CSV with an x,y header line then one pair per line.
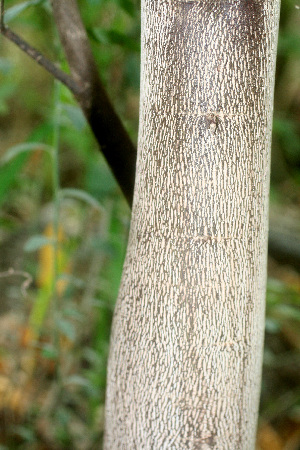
x,y
248,23
212,122
251,17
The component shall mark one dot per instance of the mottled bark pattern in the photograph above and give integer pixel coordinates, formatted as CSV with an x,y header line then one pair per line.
x,y
186,349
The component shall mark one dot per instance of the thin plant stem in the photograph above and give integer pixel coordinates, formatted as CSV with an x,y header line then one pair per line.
x,y
56,213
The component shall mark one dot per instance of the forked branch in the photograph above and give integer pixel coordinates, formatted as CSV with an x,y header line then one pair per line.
x,y
36,55
87,88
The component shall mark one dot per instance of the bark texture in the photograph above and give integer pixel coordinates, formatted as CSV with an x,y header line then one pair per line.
x,y
186,349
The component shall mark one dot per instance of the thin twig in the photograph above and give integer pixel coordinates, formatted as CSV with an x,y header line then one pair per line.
x,y
26,283
1,15
87,88
36,55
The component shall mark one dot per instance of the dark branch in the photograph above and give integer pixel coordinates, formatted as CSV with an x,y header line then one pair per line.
x,y
36,55
87,88
1,15
41,60
110,133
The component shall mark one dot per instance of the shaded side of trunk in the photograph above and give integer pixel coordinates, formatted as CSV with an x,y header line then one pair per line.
x,y
186,350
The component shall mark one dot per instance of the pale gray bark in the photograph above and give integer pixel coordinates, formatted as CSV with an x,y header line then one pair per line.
x,y
186,349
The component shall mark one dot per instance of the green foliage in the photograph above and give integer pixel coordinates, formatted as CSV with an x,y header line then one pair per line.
x,y
14,11
287,132
8,175
71,308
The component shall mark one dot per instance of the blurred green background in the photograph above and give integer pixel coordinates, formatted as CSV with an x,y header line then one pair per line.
x,y
64,226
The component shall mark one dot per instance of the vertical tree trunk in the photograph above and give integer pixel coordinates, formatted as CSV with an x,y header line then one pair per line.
x,y
186,349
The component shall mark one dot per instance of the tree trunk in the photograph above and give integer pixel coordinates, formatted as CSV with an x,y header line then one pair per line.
x,y
186,348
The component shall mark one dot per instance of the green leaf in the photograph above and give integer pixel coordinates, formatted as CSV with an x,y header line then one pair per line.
x,y
114,37
71,279
288,43
73,313
25,433
98,179
21,148
49,351
83,196
77,380
36,242
7,89
288,312
67,329
75,116
272,326
8,175
132,71
16,10
276,285
128,6
5,65
286,130
93,356
98,35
